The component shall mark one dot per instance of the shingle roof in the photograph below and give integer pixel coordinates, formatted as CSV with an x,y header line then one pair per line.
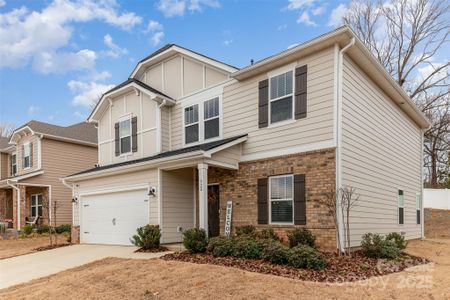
x,y
201,147
138,82
84,132
4,142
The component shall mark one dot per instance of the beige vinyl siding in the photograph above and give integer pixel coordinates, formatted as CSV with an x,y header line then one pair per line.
x,y
213,77
165,128
32,139
229,156
60,159
147,177
192,76
172,77
177,203
381,153
154,77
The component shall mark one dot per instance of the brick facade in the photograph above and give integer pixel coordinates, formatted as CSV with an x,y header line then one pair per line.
x,y
241,187
437,223
25,204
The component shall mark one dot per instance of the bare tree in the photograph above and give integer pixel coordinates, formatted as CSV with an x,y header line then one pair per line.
x,y
348,201
329,201
409,38
6,129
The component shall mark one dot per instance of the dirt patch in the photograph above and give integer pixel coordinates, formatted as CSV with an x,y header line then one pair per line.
x,y
339,268
48,247
153,250
115,278
17,246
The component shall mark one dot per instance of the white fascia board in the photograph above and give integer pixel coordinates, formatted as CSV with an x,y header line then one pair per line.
x,y
225,146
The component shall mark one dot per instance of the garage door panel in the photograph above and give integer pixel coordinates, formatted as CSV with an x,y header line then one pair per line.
x,y
113,218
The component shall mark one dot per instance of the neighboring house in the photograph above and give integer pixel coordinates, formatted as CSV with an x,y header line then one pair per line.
x,y
185,134
33,160
436,198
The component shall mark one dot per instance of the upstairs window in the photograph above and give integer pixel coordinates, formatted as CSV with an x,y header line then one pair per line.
x,y
281,95
125,136
282,199
36,205
27,155
211,118
191,124
13,164
401,207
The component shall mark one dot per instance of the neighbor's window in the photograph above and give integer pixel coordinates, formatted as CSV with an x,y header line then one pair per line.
x,y
281,107
281,199
125,136
36,205
13,164
26,155
191,124
401,207
211,118
418,205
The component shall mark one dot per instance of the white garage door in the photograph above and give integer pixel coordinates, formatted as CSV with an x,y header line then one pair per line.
x,y
113,218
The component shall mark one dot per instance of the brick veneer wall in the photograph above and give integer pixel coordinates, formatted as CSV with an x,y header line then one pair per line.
x,y
241,187
437,223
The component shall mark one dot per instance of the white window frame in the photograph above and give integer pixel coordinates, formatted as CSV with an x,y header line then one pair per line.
x,y
287,199
271,75
26,146
201,120
418,207
13,165
36,206
191,124
125,119
212,118
398,206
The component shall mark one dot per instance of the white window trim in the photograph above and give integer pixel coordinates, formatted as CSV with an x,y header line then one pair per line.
x,y
26,145
398,206
271,75
37,205
270,200
15,164
191,124
123,119
418,207
201,121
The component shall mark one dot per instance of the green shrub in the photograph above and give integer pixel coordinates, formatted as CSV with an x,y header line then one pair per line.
x,y
274,251
147,237
247,247
304,256
195,240
27,229
63,228
246,230
221,246
43,229
376,246
268,234
301,236
398,239
68,236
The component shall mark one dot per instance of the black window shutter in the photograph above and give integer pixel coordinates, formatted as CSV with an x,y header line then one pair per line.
x,y
31,154
263,103
116,139
300,91
418,217
401,215
134,141
23,156
299,199
262,201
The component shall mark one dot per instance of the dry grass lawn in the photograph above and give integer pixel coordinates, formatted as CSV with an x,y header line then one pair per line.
x,y
114,278
16,247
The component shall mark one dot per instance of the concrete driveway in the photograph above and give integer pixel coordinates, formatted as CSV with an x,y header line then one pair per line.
x,y
24,268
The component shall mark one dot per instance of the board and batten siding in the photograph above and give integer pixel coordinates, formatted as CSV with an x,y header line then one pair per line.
x,y
117,182
60,159
240,112
178,203
381,153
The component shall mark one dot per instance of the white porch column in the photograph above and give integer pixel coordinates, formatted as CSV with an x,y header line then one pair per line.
x,y
203,196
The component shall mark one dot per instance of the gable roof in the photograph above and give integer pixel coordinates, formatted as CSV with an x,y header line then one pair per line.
x,y
4,143
83,133
187,150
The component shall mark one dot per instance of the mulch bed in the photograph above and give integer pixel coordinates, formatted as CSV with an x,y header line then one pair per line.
x,y
339,268
50,247
153,250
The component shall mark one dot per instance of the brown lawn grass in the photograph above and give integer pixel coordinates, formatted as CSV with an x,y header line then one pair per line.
x,y
16,247
114,278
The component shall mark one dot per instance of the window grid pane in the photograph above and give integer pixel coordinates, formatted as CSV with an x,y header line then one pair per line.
x,y
125,128
281,85
191,133
211,108
125,144
191,114
281,110
281,211
211,128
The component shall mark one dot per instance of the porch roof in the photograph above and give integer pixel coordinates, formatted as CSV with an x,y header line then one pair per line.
x,y
205,149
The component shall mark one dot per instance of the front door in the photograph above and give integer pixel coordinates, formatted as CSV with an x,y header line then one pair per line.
x,y
213,210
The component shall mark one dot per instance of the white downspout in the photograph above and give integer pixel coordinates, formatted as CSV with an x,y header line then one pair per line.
x,y
18,202
158,128
339,216
71,187
422,212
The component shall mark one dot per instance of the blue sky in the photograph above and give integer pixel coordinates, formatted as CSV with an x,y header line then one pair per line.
x,y
57,56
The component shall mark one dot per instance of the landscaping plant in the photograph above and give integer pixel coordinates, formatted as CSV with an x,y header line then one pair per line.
x,y
221,246
274,251
27,229
63,228
398,239
301,236
246,230
147,237
376,246
304,256
43,229
247,247
268,234
195,240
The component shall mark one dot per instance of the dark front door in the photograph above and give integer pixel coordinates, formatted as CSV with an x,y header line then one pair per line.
x,y
213,210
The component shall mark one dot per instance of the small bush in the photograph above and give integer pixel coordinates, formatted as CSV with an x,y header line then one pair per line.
x,y
147,237
63,228
247,247
376,246
268,234
27,229
301,236
304,256
390,249
246,230
275,252
220,246
43,229
398,239
68,236
195,240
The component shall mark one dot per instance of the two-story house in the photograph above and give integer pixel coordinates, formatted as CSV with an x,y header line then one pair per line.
x,y
33,160
187,136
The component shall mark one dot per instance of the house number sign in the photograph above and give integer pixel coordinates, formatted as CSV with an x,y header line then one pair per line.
x,y
228,218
